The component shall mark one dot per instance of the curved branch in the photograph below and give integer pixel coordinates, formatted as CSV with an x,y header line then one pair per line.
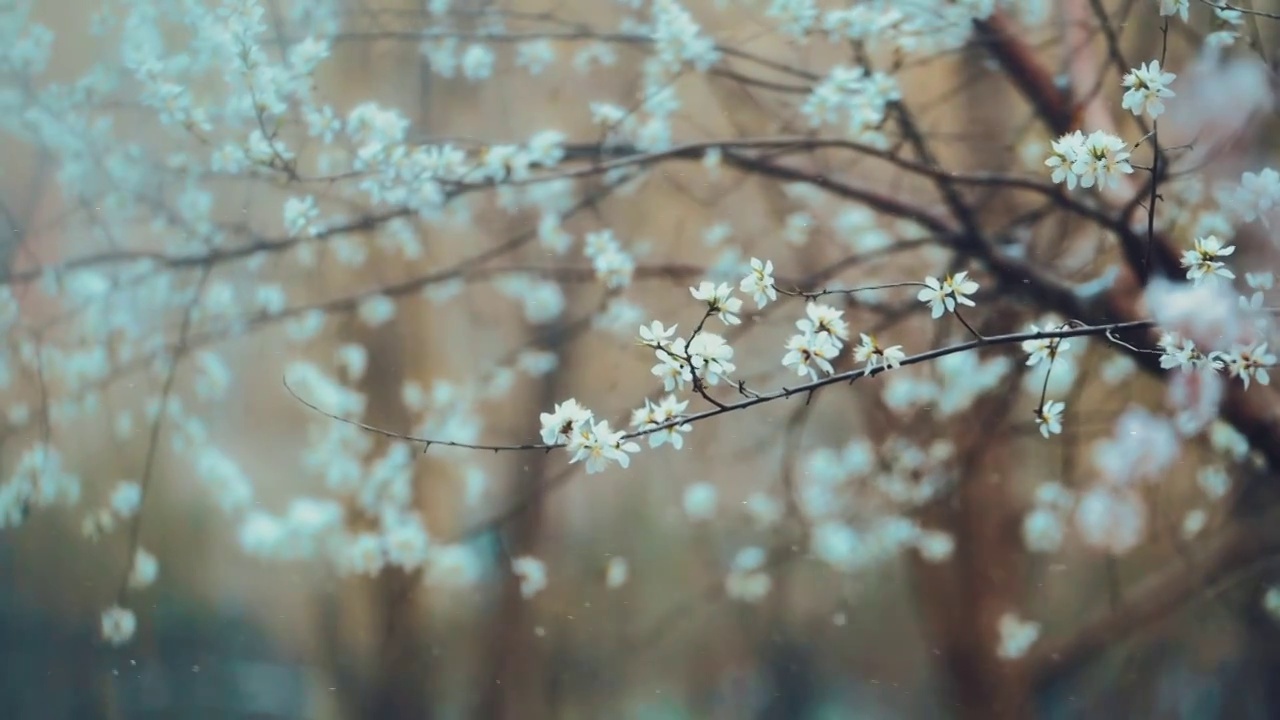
x,y
783,393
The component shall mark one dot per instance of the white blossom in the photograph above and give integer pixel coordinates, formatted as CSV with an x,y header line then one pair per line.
x,y
1043,530
1088,160
711,357
1202,261
870,351
720,301
1042,349
760,282
1066,150
1175,7
764,509
1016,636
560,425
1249,363
118,625
1049,417
1214,481
747,581
1204,313
532,573
126,498
1271,601
809,353
1148,87
820,318
598,444
700,501
1141,448
651,415
453,566
1110,518
617,570
943,296
1101,161
1193,522
144,570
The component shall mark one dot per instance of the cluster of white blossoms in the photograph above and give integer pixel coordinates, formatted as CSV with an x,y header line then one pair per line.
x,y
1204,330
1208,332
39,480
1098,159
704,360
1044,526
1111,514
658,419
678,39
821,337
920,26
1043,349
123,504
950,385
1181,8
1048,414
855,98
1148,87
759,282
613,265
1255,197
875,355
836,489
721,304
118,624
943,296
590,440
747,580
267,119
1203,261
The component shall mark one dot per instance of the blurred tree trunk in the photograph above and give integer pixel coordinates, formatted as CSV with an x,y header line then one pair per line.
x,y
962,599
401,670
514,677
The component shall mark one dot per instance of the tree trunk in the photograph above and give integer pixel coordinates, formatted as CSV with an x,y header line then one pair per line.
x,y
513,682
402,664
962,599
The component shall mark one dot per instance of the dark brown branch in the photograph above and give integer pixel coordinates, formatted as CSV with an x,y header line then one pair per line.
x,y
998,36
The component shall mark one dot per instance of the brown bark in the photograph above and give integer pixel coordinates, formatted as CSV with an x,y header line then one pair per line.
x,y
1222,560
399,678
400,687
962,599
513,680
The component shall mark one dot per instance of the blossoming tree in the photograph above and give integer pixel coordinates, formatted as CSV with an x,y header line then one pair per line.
x,y
730,307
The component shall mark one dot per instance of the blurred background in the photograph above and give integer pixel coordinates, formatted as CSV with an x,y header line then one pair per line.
x,y
440,324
